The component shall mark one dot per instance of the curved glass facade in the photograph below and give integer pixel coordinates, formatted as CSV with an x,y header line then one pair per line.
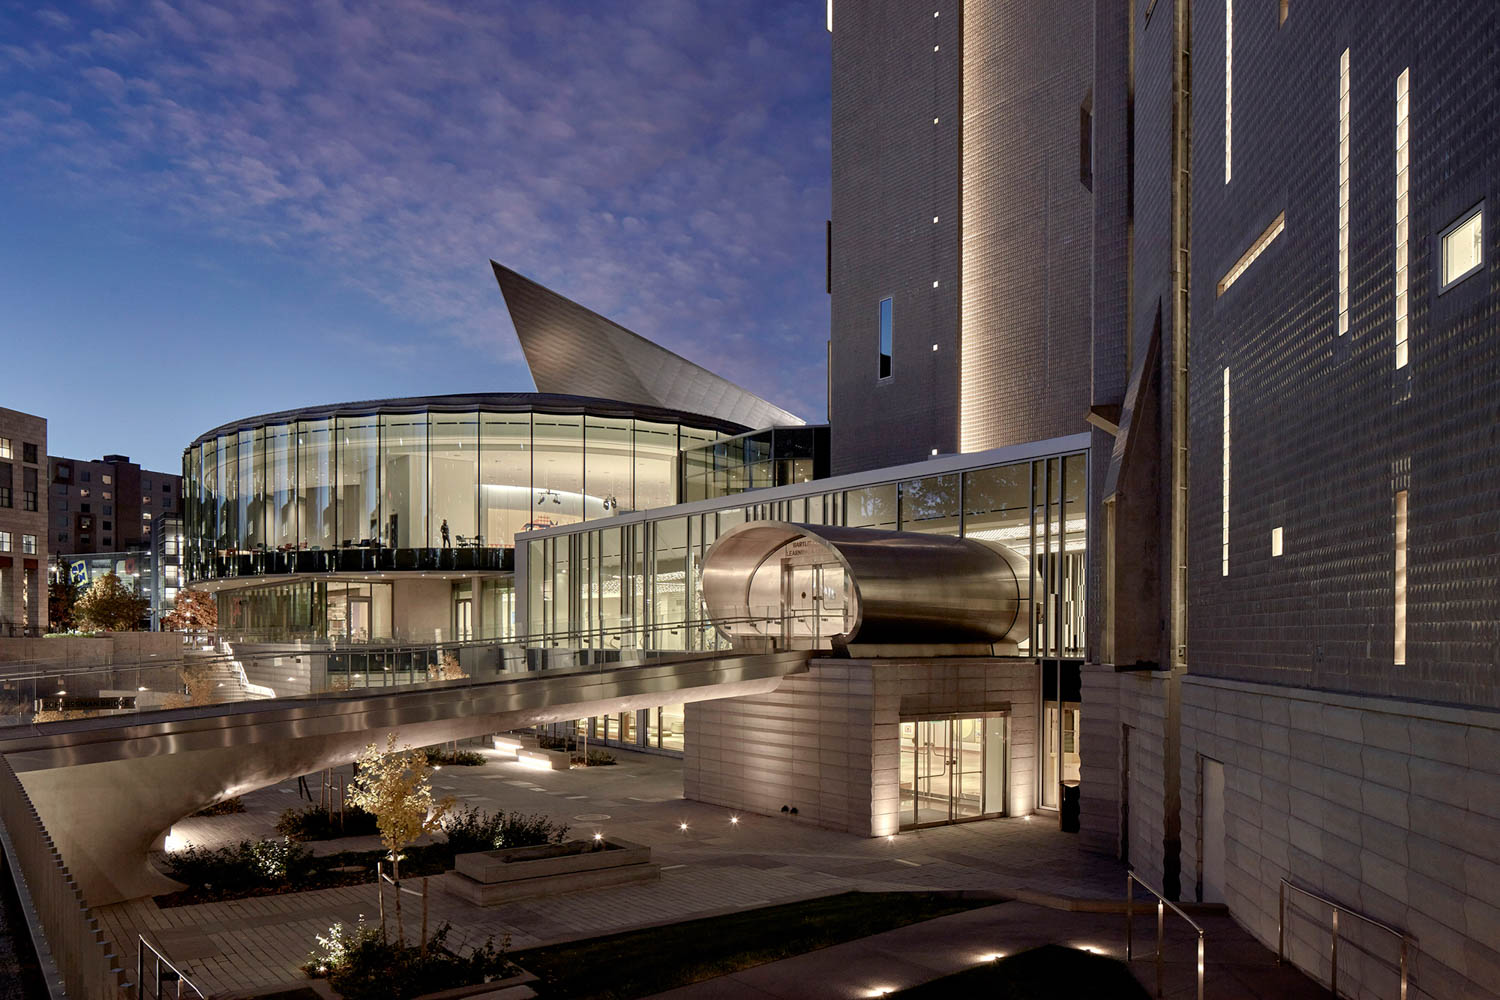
x,y
419,488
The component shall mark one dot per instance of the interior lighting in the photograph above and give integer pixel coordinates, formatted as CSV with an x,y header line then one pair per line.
x,y
734,821
141,688
682,827
61,691
934,284
993,956
598,837
174,842
890,838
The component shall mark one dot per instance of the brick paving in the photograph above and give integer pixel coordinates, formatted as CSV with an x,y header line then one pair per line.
x,y
714,866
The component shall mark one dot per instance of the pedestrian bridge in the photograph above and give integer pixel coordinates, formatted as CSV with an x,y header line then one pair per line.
x,y
108,788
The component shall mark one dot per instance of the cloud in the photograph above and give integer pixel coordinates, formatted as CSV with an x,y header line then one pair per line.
x,y
663,162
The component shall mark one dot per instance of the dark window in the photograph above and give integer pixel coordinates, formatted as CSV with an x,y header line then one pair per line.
x,y
28,500
28,489
109,509
886,321
166,487
28,453
86,507
88,476
108,526
4,496
5,484
1086,142
64,471
62,536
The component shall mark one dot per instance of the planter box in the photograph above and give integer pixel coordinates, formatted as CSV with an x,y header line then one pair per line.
x,y
552,760
490,878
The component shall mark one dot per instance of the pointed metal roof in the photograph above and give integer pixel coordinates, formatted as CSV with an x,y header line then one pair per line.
x,y
576,351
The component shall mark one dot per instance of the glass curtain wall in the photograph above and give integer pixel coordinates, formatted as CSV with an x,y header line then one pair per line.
x,y
641,584
315,484
556,471
403,480
505,499
359,480
454,471
389,481
281,463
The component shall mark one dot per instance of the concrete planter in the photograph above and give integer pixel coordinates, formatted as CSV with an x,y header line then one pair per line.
x,y
554,760
490,878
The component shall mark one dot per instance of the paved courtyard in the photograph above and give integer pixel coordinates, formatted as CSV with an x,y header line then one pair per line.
x,y
714,866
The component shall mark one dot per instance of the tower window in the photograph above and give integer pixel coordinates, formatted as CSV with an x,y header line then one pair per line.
x,y
886,320
1463,247
1403,202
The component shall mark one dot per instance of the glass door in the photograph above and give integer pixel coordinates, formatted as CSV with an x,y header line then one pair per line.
x,y
463,619
953,769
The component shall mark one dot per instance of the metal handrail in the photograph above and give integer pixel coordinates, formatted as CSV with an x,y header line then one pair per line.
x,y
1337,908
1162,902
140,972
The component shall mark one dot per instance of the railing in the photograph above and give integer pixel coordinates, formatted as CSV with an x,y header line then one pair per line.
x,y
232,671
1162,903
1337,908
85,961
174,974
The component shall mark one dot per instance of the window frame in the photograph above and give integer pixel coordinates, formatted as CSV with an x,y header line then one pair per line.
x,y
1444,282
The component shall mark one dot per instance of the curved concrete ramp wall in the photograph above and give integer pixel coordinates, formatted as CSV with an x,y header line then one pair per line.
x,y
107,793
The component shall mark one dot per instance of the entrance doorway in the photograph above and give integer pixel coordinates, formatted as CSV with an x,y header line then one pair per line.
x,y
953,769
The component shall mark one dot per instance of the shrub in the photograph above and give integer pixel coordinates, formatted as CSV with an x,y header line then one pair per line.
x,y
225,808
316,822
597,758
546,742
361,966
471,829
461,758
245,865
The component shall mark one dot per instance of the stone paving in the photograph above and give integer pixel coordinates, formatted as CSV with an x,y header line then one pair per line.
x,y
714,866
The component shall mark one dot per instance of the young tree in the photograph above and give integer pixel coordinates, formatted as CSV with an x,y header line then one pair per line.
x,y
110,605
195,611
396,786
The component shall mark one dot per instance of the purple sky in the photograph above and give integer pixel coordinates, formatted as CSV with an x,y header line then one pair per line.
x,y
212,211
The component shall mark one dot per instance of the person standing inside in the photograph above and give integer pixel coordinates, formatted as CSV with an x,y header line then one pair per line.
x,y
444,530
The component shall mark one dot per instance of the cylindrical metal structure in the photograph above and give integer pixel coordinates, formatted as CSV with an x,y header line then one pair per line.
x,y
897,587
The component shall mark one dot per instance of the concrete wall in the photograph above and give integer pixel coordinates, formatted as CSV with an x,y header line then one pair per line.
x,y
78,651
1142,828
423,608
895,169
1390,807
827,741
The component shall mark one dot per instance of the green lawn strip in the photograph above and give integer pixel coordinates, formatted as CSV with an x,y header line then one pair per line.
x,y
1043,973
640,963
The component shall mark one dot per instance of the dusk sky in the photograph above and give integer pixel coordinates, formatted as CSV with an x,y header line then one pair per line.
x,y
213,211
